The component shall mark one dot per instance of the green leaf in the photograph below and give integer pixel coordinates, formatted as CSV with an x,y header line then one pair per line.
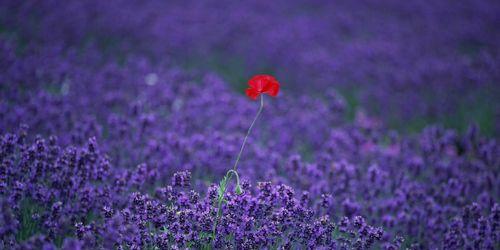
x,y
222,187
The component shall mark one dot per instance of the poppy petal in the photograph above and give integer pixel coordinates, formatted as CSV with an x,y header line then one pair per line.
x,y
262,84
252,93
258,82
273,89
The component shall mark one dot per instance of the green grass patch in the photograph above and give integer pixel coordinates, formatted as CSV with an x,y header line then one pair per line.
x,y
28,225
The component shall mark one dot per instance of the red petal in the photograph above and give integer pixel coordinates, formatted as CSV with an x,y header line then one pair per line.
x,y
258,82
273,89
252,93
263,84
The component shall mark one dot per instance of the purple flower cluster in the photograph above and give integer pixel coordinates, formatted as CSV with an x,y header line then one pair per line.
x,y
109,140
49,192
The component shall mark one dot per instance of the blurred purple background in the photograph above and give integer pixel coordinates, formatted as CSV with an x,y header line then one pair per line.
x,y
384,134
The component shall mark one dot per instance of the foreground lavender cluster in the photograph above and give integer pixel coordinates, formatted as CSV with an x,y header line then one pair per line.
x,y
105,144
52,192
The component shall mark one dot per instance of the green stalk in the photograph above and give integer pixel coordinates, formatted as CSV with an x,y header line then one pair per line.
x,y
248,132
233,171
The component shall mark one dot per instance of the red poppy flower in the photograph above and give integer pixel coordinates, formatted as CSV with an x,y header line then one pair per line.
x,y
262,84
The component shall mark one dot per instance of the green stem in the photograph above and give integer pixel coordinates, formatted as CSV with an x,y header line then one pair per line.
x,y
233,171
230,174
248,132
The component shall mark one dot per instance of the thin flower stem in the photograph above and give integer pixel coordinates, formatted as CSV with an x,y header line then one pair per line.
x,y
231,172
248,132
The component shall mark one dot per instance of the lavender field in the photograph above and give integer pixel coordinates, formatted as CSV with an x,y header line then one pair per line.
x,y
121,123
